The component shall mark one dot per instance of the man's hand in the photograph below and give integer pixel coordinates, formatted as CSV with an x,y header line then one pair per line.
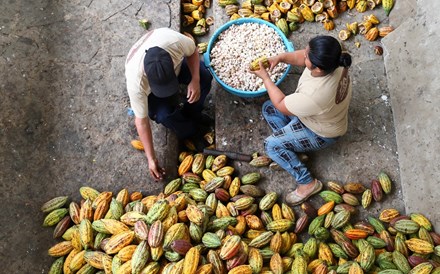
x,y
193,94
156,171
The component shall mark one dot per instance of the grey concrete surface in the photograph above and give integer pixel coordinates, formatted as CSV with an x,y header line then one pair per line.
x,y
413,80
64,122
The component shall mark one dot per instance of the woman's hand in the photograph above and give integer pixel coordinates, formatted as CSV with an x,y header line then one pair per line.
x,y
156,171
273,61
262,72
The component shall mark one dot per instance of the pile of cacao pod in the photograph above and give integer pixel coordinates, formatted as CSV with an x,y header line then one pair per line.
x,y
194,20
287,15
210,221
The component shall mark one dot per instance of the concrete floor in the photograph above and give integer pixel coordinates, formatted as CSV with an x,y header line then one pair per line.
x,y
64,121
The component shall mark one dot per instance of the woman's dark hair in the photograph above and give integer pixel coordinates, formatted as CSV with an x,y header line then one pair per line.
x,y
326,53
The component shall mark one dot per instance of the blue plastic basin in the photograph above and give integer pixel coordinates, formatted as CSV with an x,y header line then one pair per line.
x,y
212,40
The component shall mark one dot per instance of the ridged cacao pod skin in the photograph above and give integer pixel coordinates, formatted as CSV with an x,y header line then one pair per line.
x,y
355,268
276,243
310,247
387,6
356,234
276,264
140,257
350,249
261,160
326,208
211,240
279,225
367,257
309,210
242,269
401,262
422,268
336,187
384,31
315,224
198,164
57,266
385,235
253,222
261,240
268,201
252,190
376,223
158,211
421,220
55,216
61,227
419,246
250,178
307,13
204,269
156,234
60,249
287,212
276,212
217,264
365,226
329,219
181,246
325,253
406,226
299,265
354,188
341,218
376,190
350,199
384,180
387,215
345,207
191,261
54,203
230,248
172,186
255,260
329,195
435,237
366,198
118,241
185,165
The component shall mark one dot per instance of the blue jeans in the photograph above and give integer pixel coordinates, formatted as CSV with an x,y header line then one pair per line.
x,y
183,120
289,137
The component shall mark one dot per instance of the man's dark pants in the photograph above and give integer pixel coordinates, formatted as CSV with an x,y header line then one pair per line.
x,y
183,120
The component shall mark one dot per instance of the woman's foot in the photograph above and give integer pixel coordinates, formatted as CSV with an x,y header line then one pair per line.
x,y
303,192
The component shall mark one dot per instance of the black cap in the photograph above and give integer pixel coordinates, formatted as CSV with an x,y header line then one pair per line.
x,y
159,69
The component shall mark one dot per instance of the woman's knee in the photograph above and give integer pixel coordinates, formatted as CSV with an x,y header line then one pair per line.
x,y
266,105
270,145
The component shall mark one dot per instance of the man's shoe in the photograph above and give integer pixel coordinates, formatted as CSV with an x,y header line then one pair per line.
x,y
294,199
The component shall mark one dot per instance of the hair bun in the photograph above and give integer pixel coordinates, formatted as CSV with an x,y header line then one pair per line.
x,y
345,60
